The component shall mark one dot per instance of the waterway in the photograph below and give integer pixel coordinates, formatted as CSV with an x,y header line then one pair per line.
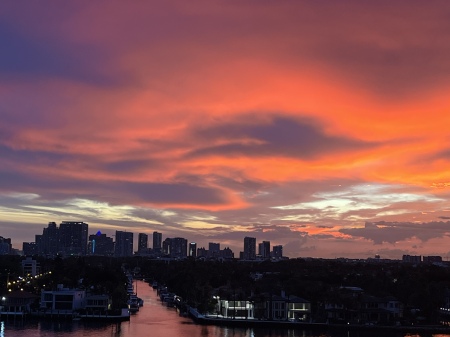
x,y
156,320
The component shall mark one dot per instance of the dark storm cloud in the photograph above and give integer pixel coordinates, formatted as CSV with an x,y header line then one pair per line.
x,y
392,232
283,136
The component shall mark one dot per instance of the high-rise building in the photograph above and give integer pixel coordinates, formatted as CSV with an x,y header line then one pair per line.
x,y
175,247
49,241
166,246
213,249
201,252
100,244
277,251
124,244
142,243
5,246
264,249
192,249
178,248
157,242
73,237
227,253
39,244
29,248
249,248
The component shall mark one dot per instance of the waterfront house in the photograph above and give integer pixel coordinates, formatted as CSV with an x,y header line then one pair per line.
x,y
380,309
298,309
97,304
17,303
235,309
281,308
351,305
62,300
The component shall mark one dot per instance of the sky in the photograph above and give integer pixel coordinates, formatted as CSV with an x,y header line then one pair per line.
x,y
322,126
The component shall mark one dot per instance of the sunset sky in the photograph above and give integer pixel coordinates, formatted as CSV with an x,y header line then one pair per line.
x,y
322,126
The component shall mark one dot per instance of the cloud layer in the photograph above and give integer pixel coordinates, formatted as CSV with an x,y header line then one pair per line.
x,y
306,124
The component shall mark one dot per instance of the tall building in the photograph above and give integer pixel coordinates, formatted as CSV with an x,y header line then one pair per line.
x,y
142,243
157,242
249,248
100,244
175,247
124,244
227,253
201,252
264,249
39,244
277,251
178,248
73,237
192,249
213,249
5,246
29,248
49,241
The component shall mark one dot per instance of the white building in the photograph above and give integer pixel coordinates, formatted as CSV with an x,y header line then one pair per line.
x,y
236,309
63,299
30,267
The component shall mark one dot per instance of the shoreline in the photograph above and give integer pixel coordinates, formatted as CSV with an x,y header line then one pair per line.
x,y
253,323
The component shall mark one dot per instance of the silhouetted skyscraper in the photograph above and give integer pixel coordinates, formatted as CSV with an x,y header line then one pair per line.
x,y
49,241
142,243
157,242
277,251
100,244
175,247
5,246
193,249
73,237
124,244
213,249
249,248
29,248
178,248
264,249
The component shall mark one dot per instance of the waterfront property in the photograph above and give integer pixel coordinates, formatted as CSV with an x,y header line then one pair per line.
x,y
17,303
65,302
62,300
97,304
265,306
352,305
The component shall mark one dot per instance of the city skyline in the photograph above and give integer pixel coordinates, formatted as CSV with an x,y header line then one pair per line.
x,y
318,126
71,238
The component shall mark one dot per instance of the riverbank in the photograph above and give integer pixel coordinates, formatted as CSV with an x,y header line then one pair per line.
x,y
266,324
124,315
